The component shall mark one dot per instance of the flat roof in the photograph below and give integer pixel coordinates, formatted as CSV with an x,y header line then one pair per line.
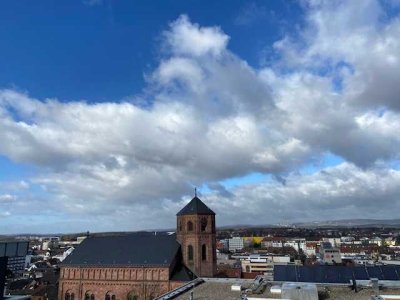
x,y
13,248
222,291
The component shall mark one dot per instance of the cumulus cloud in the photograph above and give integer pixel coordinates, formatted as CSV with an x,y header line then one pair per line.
x,y
215,117
7,198
357,41
343,191
186,38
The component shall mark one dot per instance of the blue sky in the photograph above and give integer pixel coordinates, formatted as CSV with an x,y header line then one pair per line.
x,y
116,110
69,50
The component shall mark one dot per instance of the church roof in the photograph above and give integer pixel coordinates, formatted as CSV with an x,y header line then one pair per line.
x,y
139,249
195,207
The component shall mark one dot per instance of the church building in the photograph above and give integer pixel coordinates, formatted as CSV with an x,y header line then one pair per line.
x,y
142,266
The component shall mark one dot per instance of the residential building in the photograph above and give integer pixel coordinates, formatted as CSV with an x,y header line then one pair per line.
x,y
236,244
223,245
330,255
273,242
297,244
12,258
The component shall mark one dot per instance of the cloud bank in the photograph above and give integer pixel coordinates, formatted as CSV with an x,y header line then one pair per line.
x,y
121,166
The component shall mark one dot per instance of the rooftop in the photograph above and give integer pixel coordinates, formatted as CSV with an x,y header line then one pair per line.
x,y
195,207
222,291
125,250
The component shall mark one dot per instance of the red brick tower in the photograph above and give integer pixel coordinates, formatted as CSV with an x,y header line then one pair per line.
x,y
196,234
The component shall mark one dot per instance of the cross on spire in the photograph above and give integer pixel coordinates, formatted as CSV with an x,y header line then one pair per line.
x,y
195,191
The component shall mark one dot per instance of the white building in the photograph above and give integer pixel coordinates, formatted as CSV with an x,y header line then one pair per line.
x,y
347,239
297,244
65,254
235,243
273,242
330,255
335,242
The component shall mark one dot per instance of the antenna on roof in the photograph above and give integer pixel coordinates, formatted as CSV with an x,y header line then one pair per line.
x,y
195,191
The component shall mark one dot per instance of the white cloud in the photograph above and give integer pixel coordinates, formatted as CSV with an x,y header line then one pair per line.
x,y
189,38
5,214
360,35
7,198
343,191
215,117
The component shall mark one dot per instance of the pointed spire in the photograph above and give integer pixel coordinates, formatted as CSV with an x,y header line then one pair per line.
x,y
195,207
195,192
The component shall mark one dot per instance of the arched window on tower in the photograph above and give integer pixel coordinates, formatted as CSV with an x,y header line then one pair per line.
x,y
89,295
180,225
189,226
190,252
204,252
203,224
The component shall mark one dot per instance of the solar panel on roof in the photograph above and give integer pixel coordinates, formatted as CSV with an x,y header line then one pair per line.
x,y
390,273
375,272
334,274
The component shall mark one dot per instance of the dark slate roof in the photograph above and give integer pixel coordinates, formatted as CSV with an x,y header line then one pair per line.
x,y
182,273
195,206
143,249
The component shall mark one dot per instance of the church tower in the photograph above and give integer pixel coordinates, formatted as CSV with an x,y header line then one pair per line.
x,y
196,234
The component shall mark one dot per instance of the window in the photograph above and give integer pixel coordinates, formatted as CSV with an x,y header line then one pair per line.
x,y
109,296
180,226
190,226
190,252
132,296
89,296
203,224
69,295
204,252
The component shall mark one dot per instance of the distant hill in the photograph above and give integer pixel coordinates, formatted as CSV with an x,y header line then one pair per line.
x,y
351,223
360,223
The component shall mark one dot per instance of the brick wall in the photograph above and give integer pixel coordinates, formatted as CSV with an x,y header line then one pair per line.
x,y
197,238
143,282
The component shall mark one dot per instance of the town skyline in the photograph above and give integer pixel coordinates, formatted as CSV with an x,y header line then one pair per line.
x,y
278,112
